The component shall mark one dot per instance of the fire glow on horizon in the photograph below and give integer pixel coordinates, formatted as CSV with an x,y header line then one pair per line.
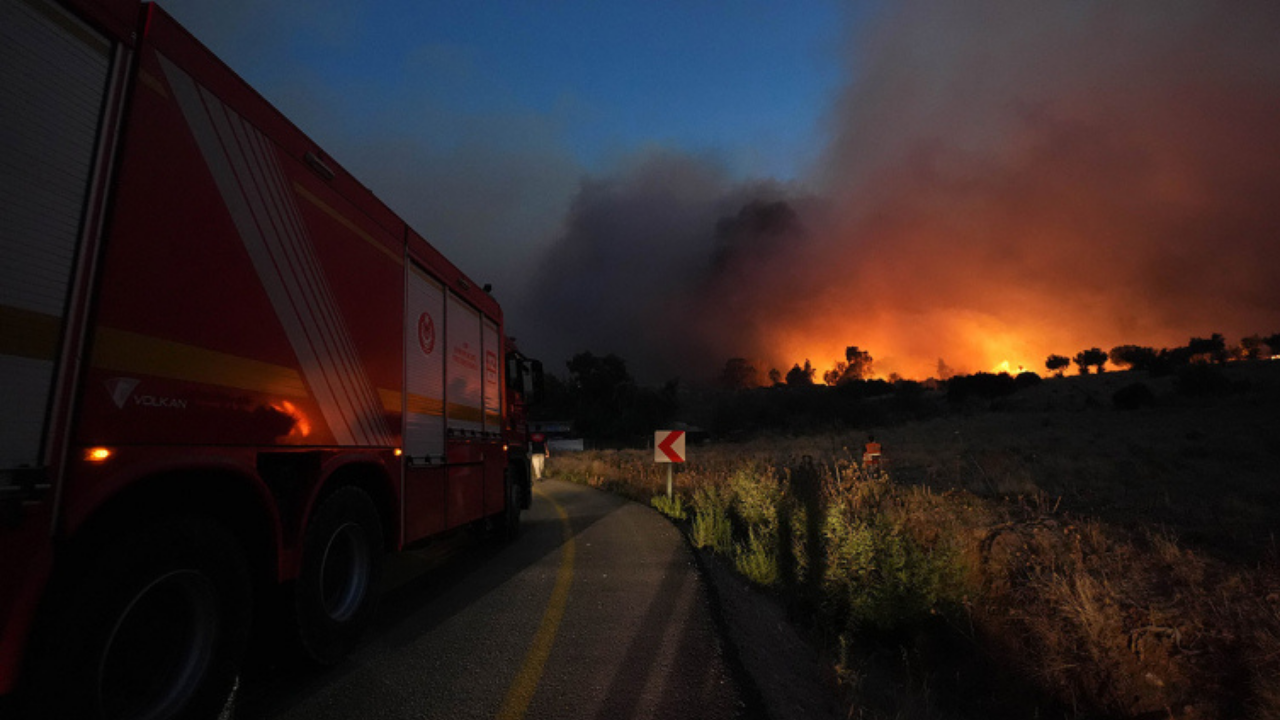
x,y
1003,182
990,348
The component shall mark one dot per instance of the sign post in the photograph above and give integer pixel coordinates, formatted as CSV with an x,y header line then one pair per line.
x,y
668,447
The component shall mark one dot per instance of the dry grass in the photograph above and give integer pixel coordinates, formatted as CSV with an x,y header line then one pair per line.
x,y
1122,563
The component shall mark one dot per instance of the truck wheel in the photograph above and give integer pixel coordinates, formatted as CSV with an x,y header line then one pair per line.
x,y
336,592
154,627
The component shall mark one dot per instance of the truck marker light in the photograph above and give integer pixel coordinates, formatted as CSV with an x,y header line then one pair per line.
x,y
97,454
398,452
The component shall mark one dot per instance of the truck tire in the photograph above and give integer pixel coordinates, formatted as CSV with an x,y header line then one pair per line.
x,y
154,626
336,593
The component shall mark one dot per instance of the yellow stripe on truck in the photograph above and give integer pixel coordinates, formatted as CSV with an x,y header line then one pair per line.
x,y
134,353
425,405
465,412
390,400
417,404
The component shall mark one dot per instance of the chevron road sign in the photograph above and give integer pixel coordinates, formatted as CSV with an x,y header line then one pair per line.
x,y
668,446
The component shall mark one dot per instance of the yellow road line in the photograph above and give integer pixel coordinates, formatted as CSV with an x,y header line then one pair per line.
x,y
521,692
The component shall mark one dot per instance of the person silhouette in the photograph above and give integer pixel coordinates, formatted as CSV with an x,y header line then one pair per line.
x,y
871,455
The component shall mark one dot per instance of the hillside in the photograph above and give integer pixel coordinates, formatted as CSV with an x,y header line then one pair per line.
x,y
1042,553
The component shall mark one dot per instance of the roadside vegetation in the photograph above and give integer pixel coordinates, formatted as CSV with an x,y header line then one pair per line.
x,y
1067,551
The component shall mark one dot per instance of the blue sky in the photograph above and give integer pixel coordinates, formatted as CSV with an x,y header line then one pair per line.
x,y
481,122
747,82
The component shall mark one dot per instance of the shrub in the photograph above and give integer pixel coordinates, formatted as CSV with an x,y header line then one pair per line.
x,y
755,495
1027,379
881,577
672,507
757,559
711,526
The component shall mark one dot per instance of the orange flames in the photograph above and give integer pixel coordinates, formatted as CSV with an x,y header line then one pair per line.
x,y
924,345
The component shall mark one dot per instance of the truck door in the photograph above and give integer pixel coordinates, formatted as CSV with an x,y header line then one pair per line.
x,y
56,76
424,350
464,412
495,461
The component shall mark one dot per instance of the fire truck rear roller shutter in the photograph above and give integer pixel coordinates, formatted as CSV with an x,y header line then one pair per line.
x,y
53,71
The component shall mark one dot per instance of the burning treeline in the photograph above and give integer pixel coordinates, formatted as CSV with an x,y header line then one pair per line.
x,y
859,365
1002,182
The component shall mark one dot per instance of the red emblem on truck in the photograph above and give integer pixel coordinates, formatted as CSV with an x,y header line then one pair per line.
x,y
426,333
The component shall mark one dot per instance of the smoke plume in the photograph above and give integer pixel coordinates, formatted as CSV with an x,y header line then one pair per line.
x,y
626,272
1003,181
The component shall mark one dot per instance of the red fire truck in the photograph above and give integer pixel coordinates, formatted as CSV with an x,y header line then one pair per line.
x,y
232,377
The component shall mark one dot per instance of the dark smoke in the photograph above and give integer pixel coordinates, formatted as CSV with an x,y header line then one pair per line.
x,y
638,252
1004,180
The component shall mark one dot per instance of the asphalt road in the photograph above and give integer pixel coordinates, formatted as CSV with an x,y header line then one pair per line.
x,y
596,611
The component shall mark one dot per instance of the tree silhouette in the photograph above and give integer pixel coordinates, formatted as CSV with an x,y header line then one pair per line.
x,y
1135,357
739,374
859,367
800,377
856,366
1212,348
1055,363
608,406
832,376
1093,357
775,376
1273,342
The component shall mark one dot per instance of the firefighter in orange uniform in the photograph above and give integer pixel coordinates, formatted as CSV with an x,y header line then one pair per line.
x,y
871,455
